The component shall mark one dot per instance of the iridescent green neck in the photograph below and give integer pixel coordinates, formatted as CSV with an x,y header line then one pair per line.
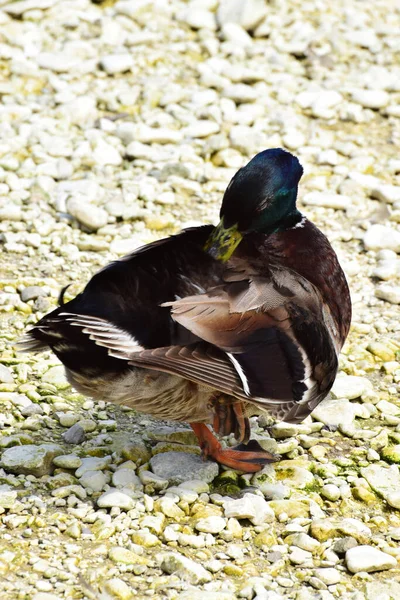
x,y
281,214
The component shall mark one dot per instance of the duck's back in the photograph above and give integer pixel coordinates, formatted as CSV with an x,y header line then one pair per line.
x,y
128,293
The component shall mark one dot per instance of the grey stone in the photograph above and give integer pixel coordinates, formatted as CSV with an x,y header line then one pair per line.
x,y
74,435
93,463
67,461
341,546
178,467
32,292
30,459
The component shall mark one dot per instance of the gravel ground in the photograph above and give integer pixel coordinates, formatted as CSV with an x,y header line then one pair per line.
x,y
122,122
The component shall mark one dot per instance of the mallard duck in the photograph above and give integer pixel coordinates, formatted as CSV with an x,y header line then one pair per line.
x,y
215,323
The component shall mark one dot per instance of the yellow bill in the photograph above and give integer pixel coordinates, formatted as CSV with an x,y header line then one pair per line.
x,y
223,241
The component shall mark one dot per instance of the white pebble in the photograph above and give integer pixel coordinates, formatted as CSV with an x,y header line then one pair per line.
x,y
369,559
116,63
371,98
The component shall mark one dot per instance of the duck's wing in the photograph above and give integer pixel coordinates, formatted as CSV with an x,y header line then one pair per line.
x,y
276,331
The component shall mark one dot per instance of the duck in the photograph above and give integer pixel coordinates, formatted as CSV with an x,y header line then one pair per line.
x,y
214,325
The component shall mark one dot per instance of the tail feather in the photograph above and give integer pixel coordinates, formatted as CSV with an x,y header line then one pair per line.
x,y
28,343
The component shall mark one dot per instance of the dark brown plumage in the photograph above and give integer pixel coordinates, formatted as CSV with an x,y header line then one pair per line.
x,y
211,324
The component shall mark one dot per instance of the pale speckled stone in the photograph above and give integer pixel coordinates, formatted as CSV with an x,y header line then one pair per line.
x,y
251,507
29,459
114,497
184,568
178,467
211,524
368,559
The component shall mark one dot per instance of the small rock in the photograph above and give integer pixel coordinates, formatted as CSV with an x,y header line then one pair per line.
x,y
59,62
393,499
119,589
381,350
303,541
379,237
16,10
374,99
32,292
93,480
74,435
179,467
210,524
30,459
201,129
93,463
116,63
298,556
368,559
233,32
354,528
157,135
194,594
91,216
334,412
184,568
251,507
126,477
122,555
382,590
341,546
247,13
390,293
336,201
386,193
198,18
67,461
391,454
350,387
240,93
329,576
105,154
114,497
8,496
5,375
331,492
56,376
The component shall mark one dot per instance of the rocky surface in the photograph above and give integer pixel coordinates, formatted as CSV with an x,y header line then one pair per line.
x,y
122,122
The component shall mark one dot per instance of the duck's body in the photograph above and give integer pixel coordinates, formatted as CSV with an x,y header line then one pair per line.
x,y
180,334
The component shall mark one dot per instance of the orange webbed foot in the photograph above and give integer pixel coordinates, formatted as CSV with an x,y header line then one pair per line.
x,y
250,457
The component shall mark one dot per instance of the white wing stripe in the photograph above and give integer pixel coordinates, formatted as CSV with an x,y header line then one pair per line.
x,y
241,374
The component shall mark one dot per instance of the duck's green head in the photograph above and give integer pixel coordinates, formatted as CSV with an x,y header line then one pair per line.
x,y
261,197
